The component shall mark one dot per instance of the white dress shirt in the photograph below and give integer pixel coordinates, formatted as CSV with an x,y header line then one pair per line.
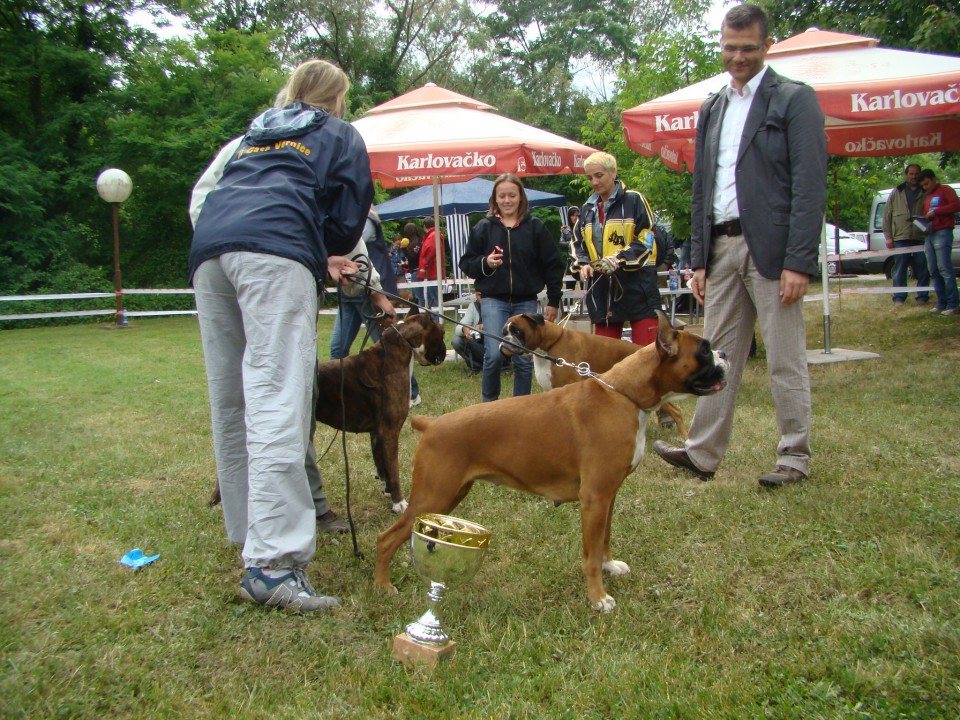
x,y
731,130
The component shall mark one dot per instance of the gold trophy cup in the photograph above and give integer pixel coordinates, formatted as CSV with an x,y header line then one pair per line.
x,y
446,552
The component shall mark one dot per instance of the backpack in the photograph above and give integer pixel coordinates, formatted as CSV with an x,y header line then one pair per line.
x,y
664,243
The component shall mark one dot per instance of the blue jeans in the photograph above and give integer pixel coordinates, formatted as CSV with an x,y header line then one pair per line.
x,y
346,326
900,264
431,294
939,245
417,291
495,314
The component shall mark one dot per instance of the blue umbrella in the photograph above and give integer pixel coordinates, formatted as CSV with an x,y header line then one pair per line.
x,y
459,198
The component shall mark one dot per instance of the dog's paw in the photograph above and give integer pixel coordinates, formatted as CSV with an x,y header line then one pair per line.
x,y
616,567
399,507
605,605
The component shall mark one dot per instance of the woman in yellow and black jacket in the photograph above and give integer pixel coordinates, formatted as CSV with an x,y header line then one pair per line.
x,y
616,252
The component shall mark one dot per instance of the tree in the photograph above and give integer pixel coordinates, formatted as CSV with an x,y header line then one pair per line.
x,y
57,91
934,27
181,103
676,59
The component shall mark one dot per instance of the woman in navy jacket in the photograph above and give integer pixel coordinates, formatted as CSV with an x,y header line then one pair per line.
x,y
292,200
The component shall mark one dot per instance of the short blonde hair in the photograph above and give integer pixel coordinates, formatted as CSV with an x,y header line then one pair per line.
x,y
320,84
605,160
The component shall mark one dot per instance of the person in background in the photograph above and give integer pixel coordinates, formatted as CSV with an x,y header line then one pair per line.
x,y
617,258
566,231
759,194
467,340
903,205
940,205
353,311
428,261
356,306
616,252
414,245
511,258
263,243
398,260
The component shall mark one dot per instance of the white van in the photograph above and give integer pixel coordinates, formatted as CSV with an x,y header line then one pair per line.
x,y
884,263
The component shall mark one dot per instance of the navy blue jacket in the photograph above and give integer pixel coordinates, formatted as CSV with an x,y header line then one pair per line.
x,y
298,186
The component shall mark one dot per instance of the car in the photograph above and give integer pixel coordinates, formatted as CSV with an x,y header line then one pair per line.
x,y
884,263
849,246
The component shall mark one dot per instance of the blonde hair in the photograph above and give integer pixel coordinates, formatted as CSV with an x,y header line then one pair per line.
x,y
605,160
320,84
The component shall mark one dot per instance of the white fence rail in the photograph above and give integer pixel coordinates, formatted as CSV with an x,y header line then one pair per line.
x,y
92,296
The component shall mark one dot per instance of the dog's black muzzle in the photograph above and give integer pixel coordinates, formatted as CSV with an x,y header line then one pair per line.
x,y
710,377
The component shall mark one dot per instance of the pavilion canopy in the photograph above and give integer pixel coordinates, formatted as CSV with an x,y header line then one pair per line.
x,y
877,101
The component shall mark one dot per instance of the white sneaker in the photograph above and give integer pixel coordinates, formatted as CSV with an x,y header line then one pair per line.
x,y
415,400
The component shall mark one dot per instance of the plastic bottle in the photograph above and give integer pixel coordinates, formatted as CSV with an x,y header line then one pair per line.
x,y
673,279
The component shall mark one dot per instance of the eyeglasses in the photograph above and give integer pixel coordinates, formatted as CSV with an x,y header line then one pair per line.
x,y
743,49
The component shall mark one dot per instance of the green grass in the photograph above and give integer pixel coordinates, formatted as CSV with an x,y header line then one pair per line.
x,y
837,599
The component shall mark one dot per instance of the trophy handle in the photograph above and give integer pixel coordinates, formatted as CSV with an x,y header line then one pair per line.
x,y
427,629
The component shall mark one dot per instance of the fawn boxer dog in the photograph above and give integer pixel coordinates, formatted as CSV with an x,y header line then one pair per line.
x,y
603,423
376,391
531,332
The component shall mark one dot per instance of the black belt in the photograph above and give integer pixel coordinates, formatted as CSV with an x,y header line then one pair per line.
x,y
730,227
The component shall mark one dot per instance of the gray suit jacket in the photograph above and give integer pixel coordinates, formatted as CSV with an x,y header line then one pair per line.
x,y
781,177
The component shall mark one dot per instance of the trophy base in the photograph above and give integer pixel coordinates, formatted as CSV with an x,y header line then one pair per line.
x,y
410,652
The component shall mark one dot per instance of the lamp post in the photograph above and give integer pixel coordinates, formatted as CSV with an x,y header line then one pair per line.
x,y
115,186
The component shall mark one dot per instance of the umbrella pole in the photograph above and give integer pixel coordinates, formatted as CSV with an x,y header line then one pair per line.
x,y
438,243
826,291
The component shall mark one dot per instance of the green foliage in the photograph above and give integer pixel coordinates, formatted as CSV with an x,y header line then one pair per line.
x,y
669,61
57,91
897,23
183,102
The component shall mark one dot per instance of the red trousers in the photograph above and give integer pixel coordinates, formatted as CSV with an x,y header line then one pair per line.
x,y
642,332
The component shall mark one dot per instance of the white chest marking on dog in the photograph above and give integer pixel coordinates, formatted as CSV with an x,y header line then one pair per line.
x,y
417,353
543,369
641,441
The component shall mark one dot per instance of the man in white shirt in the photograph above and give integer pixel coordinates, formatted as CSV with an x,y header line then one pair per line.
x,y
759,193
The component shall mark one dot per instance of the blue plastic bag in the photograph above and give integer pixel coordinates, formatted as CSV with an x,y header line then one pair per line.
x,y
136,559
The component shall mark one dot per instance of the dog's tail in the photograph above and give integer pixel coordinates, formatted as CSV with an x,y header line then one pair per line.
x,y
421,422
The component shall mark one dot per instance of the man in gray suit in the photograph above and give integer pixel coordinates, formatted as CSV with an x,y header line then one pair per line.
x,y
759,192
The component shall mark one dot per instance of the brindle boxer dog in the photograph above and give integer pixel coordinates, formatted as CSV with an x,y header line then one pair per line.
x,y
603,423
528,331
376,391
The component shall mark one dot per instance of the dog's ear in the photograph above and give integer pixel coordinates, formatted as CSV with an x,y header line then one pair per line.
x,y
414,309
535,318
667,336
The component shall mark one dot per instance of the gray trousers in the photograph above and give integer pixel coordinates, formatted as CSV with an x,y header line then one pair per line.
x,y
736,297
258,325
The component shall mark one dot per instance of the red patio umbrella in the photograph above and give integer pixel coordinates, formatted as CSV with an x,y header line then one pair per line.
x,y
877,101
432,133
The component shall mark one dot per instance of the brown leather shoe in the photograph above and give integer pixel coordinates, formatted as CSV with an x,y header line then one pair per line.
x,y
781,476
678,458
